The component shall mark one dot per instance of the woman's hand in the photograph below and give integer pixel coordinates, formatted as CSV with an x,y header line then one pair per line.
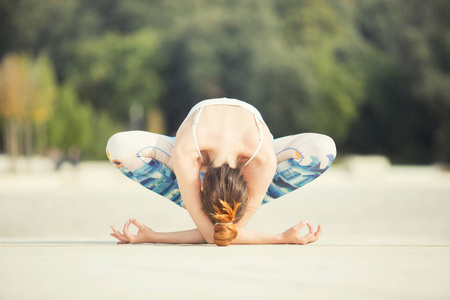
x,y
144,235
292,235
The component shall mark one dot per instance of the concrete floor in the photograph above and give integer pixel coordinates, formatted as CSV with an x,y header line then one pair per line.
x,y
386,236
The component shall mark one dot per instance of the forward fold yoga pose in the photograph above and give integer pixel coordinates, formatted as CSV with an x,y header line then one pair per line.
x,y
221,166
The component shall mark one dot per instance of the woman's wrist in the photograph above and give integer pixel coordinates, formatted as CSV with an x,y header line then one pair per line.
x,y
284,239
156,237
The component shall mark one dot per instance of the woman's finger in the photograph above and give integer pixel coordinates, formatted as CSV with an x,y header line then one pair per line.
x,y
131,238
120,240
311,237
319,231
125,227
314,237
138,224
300,225
118,235
117,232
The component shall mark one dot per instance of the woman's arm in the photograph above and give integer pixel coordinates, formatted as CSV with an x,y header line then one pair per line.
x,y
147,235
258,175
290,236
245,236
192,236
187,169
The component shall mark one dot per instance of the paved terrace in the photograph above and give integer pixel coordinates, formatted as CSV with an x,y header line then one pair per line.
x,y
386,236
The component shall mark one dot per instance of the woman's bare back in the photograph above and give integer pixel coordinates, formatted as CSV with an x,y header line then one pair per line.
x,y
224,133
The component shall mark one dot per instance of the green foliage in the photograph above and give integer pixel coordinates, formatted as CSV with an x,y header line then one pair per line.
x,y
116,71
27,88
221,51
76,125
373,74
44,90
70,126
53,27
407,87
322,33
102,127
287,95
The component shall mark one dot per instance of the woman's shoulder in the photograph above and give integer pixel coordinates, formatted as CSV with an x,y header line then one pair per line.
x,y
260,171
184,142
266,155
264,161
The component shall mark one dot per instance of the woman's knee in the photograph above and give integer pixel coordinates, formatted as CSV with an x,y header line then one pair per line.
x,y
315,144
116,142
326,145
122,147
131,148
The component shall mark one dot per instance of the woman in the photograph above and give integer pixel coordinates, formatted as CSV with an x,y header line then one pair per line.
x,y
221,166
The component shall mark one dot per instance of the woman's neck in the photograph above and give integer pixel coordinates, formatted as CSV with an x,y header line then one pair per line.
x,y
223,157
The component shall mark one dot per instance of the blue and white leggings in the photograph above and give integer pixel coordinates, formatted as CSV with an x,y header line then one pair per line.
x,y
145,157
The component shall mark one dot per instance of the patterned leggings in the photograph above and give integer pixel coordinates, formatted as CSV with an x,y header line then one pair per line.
x,y
145,157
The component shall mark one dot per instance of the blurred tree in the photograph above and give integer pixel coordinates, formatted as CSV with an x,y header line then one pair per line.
x,y
28,90
102,127
307,65
54,27
14,96
116,71
18,22
70,125
76,125
44,92
322,31
286,97
234,50
408,87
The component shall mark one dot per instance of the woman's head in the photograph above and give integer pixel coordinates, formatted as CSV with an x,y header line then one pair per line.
x,y
224,197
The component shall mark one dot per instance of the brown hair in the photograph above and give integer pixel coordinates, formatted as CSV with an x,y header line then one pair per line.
x,y
224,199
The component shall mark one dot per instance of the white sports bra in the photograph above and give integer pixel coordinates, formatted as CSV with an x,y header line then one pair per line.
x,y
197,109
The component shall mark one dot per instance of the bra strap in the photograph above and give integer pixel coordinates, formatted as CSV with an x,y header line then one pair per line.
x,y
194,126
261,138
